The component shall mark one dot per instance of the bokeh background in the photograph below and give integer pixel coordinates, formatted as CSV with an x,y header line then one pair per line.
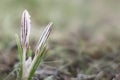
x,y
80,28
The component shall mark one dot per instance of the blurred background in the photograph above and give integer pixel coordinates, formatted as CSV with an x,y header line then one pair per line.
x,y
84,31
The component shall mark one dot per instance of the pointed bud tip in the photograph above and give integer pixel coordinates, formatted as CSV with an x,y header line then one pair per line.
x,y
51,23
26,12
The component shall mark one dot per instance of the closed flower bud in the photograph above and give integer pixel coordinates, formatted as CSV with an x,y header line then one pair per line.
x,y
25,28
43,37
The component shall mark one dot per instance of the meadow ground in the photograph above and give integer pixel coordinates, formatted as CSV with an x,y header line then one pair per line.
x,y
84,43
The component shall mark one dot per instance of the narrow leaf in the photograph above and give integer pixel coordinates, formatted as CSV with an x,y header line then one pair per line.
x,y
20,55
37,62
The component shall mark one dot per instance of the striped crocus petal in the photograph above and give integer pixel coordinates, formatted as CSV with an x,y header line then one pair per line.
x,y
25,28
43,37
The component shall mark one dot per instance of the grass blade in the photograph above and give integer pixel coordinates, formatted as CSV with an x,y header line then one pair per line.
x,y
20,55
37,62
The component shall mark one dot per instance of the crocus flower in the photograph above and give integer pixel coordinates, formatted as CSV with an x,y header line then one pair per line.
x,y
29,64
43,37
25,28
25,32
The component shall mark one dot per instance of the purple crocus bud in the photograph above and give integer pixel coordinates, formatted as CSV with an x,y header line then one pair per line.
x,y
25,28
43,37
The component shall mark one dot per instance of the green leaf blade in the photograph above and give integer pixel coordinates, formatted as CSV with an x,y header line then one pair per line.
x,y
37,62
20,55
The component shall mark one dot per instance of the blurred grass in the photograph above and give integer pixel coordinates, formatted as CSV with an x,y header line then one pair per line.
x,y
96,19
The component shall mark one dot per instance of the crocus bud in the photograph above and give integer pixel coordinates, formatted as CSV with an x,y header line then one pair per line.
x,y
25,28
43,37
